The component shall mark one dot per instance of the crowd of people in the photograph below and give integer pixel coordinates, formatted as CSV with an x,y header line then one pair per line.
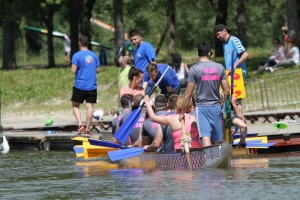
x,y
159,127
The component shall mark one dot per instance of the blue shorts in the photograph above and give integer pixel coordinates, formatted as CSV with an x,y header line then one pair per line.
x,y
209,122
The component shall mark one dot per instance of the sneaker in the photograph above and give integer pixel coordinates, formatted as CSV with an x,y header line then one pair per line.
x,y
267,68
87,133
271,69
80,129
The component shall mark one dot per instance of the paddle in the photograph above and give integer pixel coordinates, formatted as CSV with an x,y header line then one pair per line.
x,y
232,72
125,153
124,131
248,135
105,143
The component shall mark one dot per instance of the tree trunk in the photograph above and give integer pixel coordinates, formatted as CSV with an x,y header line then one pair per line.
x,y
220,8
74,19
241,22
9,58
171,22
293,29
49,24
119,27
162,38
86,14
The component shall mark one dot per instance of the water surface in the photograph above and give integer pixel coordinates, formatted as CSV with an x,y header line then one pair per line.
x,y
60,175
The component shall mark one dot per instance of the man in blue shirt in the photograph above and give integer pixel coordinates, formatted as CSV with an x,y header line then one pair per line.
x,y
169,82
85,66
143,54
232,43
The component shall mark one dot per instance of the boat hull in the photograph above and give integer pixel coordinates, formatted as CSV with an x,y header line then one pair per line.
x,y
200,158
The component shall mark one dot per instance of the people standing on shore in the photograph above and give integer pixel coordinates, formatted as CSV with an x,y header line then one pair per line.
x,y
169,82
85,66
208,76
232,43
143,54
180,69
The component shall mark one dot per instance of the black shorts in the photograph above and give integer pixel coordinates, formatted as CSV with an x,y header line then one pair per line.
x,y
90,96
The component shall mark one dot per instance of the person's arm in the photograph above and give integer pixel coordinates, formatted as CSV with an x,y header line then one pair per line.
x,y
169,89
121,92
98,69
145,84
156,142
187,96
243,58
138,143
186,68
225,87
73,69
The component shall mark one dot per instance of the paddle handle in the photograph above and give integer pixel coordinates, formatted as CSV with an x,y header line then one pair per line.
x,y
232,72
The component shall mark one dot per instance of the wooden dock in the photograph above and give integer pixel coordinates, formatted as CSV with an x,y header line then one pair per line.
x,y
36,138
56,137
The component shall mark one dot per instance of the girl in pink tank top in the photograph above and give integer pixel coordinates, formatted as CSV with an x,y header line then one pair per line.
x,y
175,124
189,128
136,77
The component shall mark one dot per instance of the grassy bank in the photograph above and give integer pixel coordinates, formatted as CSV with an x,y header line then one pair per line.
x,y
51,89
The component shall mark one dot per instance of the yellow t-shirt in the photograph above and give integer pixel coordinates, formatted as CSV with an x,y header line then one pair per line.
x,y
123,76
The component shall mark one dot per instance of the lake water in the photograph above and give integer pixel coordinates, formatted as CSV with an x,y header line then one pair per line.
x,y
60,175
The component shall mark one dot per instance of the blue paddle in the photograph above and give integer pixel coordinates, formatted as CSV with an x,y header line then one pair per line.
x,y
125,153
248,135
124,131
105,144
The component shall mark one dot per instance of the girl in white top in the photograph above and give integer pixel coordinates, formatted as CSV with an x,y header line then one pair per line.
x,y
180,69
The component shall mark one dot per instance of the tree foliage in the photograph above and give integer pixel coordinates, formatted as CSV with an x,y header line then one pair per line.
x,y
195,21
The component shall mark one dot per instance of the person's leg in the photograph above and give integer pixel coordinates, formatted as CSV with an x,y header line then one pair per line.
x,y
89,115
243,129
91,98
76,112
203,126
215,118
77,99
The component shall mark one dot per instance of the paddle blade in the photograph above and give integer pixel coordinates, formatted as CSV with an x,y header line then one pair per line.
x,y
125,153
124,131
78,150
104,143
248,135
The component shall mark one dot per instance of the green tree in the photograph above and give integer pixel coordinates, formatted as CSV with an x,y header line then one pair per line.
x,y
8,21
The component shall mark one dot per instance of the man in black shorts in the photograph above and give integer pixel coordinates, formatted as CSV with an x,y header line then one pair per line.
x,y
85,66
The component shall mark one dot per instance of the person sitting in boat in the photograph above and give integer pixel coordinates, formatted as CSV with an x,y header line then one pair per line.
x,y
134,135
175,124
172,104
125,100
169,82
152,135
136,77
